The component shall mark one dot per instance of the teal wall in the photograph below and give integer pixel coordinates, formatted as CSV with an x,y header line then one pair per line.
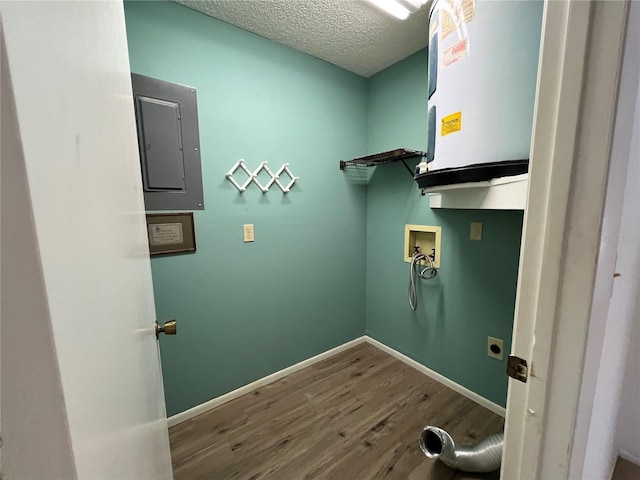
x,y
473,295
247,310
329,254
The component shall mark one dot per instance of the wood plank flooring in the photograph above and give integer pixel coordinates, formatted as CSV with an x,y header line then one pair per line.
x,y
354,416
625,470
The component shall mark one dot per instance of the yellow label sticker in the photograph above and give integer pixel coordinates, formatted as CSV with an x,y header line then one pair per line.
x,y
448,23
457,13
451,123
433,26
469,9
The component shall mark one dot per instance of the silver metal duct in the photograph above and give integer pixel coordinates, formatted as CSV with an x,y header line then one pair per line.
x,y
486,456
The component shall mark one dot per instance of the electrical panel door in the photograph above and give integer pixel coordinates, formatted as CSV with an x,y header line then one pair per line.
x,y
169,144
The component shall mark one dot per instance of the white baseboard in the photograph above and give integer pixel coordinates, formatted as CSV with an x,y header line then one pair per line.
x,y
215,402
238,392
612,467
629,457
494,407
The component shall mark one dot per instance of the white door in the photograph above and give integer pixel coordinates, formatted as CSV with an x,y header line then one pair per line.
x,y
78,341
573,128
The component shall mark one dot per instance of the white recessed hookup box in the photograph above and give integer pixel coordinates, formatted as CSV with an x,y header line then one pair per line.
x,y
427,238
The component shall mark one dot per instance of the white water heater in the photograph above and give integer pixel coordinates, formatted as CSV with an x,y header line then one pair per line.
x,y
483,63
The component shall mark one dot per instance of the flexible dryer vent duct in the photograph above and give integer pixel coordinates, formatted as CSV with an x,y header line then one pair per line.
x,y
486,456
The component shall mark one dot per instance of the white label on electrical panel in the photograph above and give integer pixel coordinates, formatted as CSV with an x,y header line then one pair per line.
x,y
165,234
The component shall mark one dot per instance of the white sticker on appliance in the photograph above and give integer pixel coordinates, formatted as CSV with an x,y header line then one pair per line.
x,y
455,53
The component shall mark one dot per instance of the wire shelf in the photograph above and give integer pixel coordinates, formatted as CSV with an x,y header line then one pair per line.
x,y
397,155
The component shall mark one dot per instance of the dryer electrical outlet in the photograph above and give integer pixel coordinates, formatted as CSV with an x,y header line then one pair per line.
x,y
495,348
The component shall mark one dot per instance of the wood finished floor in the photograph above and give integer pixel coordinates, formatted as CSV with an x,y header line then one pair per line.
x,y
354,416
625,470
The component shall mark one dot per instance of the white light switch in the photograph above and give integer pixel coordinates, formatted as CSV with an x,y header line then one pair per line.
x,y
476,231
248,232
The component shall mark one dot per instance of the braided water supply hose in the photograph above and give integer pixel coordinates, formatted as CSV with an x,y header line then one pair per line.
x,y
417,270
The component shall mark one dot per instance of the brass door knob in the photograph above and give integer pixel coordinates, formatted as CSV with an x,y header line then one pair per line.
x,y
169,328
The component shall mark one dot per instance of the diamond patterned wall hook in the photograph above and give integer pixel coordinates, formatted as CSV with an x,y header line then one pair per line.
x,y
253,177
285,168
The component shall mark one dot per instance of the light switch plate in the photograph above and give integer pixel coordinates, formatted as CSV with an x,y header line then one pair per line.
x,y
247,231
476,231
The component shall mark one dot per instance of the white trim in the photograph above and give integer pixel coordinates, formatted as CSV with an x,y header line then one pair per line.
x,y
629,457
506,193
488,404
575,102
612,469
238,392
261,382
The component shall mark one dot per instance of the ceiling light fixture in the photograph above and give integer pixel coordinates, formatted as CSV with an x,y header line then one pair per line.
x,y
415,3
392,7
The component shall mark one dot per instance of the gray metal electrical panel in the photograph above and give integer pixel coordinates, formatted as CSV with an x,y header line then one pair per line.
x,y
169,143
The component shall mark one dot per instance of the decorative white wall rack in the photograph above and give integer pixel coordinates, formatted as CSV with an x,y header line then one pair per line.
x,y
253,177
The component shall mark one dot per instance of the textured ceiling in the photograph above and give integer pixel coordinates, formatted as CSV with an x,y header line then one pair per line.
x,y
352,34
